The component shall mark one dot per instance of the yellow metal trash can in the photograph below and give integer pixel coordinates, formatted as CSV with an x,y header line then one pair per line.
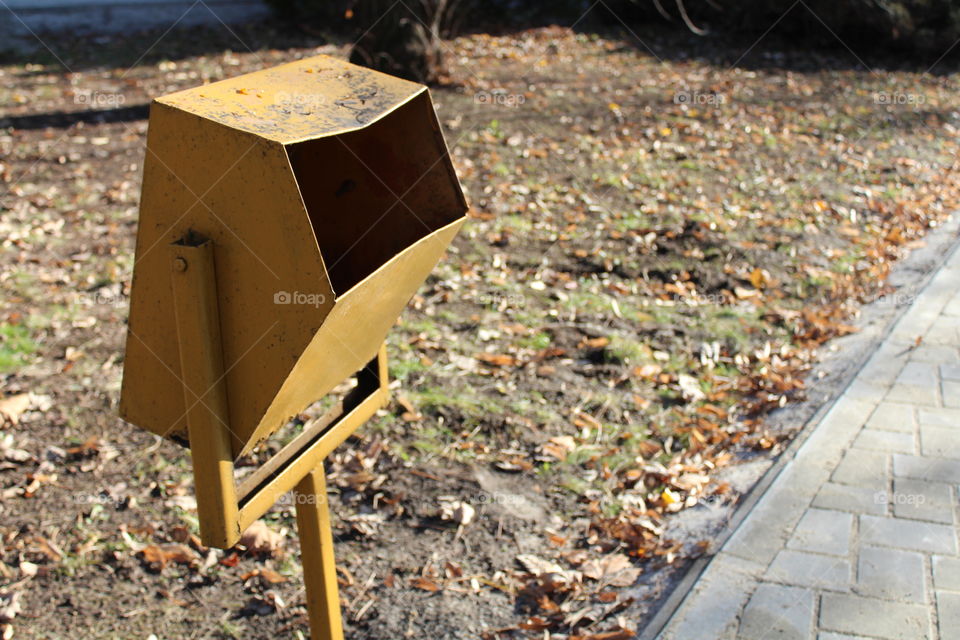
x,y
287,217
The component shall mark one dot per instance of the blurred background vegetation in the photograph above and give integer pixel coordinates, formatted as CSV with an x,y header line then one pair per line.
x,y
404,38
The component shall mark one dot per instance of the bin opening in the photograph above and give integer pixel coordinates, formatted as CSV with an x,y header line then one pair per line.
x,y
361,189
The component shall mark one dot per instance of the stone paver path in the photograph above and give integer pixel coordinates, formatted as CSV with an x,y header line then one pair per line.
x,y
857,535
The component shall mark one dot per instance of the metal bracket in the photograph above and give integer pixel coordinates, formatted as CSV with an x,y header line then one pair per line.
x,y
226,510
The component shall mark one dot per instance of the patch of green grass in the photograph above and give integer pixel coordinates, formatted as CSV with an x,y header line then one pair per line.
x,y
540,340
630,221
401,369
580,455
846,263
533,406
730,325
447,316
611,509
514,222
626,350
471,406
425,325
662,314
427,445
575,485
16,345
231,629
582,300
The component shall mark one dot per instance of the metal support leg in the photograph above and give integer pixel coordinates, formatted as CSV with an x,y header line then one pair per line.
x,y
319,568
204,389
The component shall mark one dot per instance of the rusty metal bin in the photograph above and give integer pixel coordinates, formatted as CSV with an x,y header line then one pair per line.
x,y
328,194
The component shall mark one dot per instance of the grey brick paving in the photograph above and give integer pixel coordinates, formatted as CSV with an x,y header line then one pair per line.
x,y
893,416
952,308
889,441
891,574
908,534
940,417
950,392
925,468
920,374
922,500
874,617
942,442
715,602
823,531
844,497
950,371
810,570
948,612
778,512
863,469
946,573
943,332
934,354
856,538
776,611
924,395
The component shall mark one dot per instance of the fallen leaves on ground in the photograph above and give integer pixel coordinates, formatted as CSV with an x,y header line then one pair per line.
x,y
640,284
260,540
157,557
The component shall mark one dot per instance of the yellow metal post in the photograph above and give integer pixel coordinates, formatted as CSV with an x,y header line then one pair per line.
x,y
383,372
319,567
204,390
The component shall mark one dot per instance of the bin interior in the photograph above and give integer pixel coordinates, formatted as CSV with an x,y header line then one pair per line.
x,y
373,192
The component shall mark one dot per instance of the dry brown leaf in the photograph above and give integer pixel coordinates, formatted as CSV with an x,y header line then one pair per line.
x,y
615,570
261,540
182,534
559,447
48,549
497,359
596,343
267,576
647,371
537,565
426,584
410,413
759,278
12,407
157,557
452,570
90,447
9,605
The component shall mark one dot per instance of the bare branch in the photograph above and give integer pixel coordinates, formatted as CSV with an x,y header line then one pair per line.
x,y
687,21
661,10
